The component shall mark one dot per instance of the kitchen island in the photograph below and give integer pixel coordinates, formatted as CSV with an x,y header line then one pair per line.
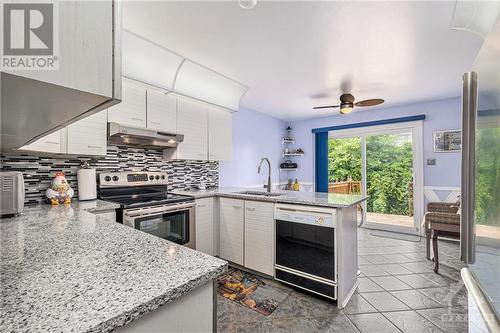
x,y
306,239
73,268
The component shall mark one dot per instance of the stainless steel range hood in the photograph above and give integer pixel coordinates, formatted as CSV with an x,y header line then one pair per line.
x,y
141,137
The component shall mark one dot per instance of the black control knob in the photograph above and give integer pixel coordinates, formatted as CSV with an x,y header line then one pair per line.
x,y
115,178
151,177
162,176
157,177
107,178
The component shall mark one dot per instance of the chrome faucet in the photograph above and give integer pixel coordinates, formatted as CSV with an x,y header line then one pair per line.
x,y
268,186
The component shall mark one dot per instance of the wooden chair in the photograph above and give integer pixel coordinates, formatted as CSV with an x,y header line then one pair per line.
x,y
441,219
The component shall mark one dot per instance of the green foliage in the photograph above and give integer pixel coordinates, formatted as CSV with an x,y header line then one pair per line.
x,y
487,205
389,169
344,159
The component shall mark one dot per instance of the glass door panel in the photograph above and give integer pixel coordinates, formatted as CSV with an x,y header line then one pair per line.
x,y
344,165
389,180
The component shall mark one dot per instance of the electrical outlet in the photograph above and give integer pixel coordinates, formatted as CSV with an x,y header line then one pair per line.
x,y
431,161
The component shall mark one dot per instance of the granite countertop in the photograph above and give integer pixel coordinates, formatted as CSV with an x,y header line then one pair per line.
x,y
333,200
72,268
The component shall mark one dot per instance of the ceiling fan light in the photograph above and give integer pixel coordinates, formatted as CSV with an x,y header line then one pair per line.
x,y
346,110
247,4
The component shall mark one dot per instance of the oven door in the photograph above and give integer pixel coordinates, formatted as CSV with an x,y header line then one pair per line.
x,y
171,222
305,256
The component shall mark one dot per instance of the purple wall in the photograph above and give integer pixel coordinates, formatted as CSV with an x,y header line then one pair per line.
x,y
440,115
255,135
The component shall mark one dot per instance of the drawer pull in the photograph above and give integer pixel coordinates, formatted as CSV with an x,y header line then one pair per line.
x,y
52,142
201,206
251,209
138,119
155,122
91,146
237,207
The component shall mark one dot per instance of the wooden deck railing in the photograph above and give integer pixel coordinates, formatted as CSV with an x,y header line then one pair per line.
x,y
345,187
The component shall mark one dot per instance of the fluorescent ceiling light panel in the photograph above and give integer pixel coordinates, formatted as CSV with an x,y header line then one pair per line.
x,y
148,62
199,82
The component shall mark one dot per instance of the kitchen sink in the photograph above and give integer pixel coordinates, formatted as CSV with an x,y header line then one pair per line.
x,y
264,194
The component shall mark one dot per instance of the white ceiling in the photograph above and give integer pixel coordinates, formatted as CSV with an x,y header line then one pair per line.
x,y
296,55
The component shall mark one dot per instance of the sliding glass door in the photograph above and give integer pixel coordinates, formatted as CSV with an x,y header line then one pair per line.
x,y
381,162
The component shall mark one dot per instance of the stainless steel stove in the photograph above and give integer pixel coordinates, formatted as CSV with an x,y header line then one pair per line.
x,y
146,205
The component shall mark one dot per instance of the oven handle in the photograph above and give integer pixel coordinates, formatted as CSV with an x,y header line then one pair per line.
x,y
153,211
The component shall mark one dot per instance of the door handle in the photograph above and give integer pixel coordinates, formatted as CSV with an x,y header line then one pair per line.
x,y
469,107
250,209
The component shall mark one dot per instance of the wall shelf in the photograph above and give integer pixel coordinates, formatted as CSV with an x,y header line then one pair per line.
x,y
293,154
288,169
289,141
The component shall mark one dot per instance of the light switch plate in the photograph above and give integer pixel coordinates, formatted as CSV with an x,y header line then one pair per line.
x,y
431,161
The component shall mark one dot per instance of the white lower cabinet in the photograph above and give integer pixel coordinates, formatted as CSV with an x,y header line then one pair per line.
x,y
259,236
231,224
246,235
205,225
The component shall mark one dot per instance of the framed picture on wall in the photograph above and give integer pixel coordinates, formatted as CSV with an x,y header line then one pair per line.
x,y
447,141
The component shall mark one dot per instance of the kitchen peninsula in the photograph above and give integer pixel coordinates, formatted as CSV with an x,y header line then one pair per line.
x,y
73,268
306,239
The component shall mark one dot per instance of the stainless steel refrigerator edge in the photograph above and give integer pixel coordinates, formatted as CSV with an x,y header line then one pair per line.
x,y
480,198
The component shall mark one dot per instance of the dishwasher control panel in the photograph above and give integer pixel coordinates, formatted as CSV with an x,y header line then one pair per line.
x,y
306,215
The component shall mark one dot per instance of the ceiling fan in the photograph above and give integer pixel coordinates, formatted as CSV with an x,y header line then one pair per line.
x,y
347,103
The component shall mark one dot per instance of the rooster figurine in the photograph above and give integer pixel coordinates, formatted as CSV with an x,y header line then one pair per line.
x,y
60,192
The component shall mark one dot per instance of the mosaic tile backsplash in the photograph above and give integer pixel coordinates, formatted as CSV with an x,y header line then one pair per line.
x,y
39,170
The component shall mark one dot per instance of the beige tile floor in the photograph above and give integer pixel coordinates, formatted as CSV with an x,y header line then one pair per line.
x,y
398,292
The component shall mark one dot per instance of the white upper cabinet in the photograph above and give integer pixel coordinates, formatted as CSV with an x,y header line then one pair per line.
x,y
52,143
220,134
132,109
85,53
192,122
161,111
88,136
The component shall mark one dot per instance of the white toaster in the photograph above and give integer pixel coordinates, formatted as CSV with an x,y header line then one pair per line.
x,y
11,193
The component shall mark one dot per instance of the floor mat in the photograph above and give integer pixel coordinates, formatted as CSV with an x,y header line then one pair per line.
x,y
395,235
250,291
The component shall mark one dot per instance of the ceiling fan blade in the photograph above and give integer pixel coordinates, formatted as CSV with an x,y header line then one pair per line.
x,y
370,102
326,107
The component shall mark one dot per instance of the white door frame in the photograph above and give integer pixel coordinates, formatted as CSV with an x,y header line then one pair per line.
x,y
418,168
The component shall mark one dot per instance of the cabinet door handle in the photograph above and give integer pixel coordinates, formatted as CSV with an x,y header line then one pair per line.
x,y
53,142
237,207
251,209
92,146
155,122
138,119
201,206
